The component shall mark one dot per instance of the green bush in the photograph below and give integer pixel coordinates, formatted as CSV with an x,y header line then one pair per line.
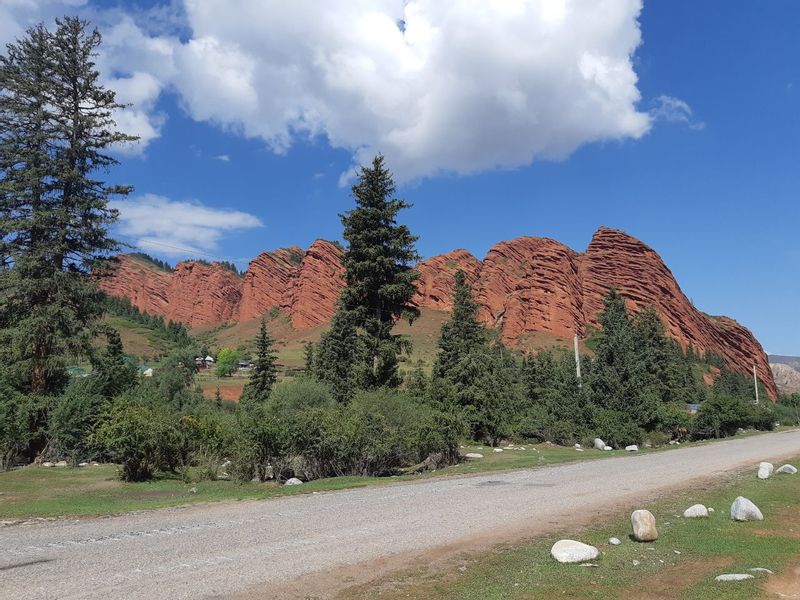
x,y
141,439
616,428
787,410
72,420
17,414
721,416
209,439
292,396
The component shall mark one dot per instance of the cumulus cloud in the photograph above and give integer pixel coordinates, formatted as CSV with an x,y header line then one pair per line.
x,y
223,157
178,228
455,87
674,110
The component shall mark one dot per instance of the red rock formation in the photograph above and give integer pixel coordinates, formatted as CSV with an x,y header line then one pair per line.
x,y
531,284
319,282
268,282
437,278
523,286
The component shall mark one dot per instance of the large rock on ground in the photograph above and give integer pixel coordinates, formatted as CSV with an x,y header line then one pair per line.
x,y
733,577
599,444
644,526
570,551
695,511
765,469
787,470
743,509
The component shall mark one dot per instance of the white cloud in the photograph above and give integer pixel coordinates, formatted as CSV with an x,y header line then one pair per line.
x,y
675,110
223,157
178,228
461,86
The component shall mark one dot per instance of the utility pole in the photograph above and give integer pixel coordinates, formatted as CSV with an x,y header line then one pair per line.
x,y
755,381
578,362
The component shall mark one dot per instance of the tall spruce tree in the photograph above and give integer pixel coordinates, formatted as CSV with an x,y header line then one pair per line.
x,y
56,123
265,369
463,333
337,356
379,272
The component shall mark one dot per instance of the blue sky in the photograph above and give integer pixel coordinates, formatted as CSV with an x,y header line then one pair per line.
x,y
702,165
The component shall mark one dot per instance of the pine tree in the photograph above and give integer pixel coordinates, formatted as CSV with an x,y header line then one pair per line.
x,y
463,333
308,357
378,272
56,121
265,369
337,356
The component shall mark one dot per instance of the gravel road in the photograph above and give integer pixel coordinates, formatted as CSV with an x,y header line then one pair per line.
x,y
225,549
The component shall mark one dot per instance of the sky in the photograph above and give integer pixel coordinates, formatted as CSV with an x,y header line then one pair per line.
x,y
675,121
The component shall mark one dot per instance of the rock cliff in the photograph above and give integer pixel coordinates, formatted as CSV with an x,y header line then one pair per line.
x,y
523,286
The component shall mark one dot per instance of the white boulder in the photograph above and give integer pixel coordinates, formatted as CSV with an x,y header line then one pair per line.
x,y
599,444
61,463
570,551
787,470
644,526
743,509
293,481
47,464
498,450
696,511
608,448
614,541
632,448
765,469
733,577
473,455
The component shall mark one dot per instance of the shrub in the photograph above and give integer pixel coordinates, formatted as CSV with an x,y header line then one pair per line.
x,y
721,416
72,419
17,413
674,420
140,438
616,428
295,395
209,439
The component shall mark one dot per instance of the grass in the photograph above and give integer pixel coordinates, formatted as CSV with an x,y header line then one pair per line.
x,y
32,492
682,563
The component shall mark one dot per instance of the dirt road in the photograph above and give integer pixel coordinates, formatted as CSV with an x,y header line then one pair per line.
x,y
228,548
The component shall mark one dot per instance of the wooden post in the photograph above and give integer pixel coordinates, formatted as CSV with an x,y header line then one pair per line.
x,y
755,381
577,361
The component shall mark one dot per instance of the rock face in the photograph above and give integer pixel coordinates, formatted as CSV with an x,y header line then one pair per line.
x,y
787,377
570,551
524,287
644,526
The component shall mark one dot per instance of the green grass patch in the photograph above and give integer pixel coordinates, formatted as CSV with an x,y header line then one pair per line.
x,y
61,491
682,563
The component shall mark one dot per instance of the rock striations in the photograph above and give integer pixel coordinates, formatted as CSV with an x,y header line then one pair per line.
x,y
523,286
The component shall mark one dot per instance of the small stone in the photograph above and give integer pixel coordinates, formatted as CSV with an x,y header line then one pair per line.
x,y
47,464
608,448
570,551
462,568
599,444
672,442
614,541
696,511
636,563
644,526
787,470
473,455
632,448
710,510
193,490
761,570
83,464
61,463
591,565
743,509
765,469
498,449
578,449
578,446
677,551
293,481
733,577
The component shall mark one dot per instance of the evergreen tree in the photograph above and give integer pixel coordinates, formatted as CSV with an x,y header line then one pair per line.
x,y
463,333
265,369
112,374
56,121
338,355
308,357
378,272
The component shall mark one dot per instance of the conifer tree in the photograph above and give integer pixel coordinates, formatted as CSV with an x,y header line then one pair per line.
x,y
379,274
463,333
56,123
265,369
308,357
337,356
